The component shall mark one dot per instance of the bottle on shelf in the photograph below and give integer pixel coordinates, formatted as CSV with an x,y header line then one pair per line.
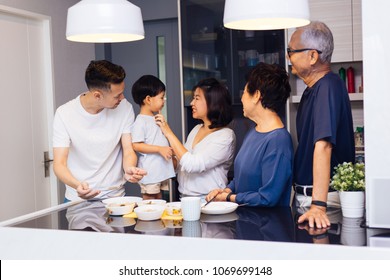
x,y
359,144
350,80
342,73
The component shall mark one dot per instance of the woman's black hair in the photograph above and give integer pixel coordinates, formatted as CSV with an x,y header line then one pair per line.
x,y
218,100
273,83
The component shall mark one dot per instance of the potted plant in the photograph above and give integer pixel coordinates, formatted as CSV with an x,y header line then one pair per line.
x,y
349,181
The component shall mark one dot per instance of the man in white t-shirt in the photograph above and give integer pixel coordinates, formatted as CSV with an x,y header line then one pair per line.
x,y
93,153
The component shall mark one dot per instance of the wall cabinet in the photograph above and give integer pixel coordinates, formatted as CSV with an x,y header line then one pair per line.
x,y
251,47
205,45
211,50
357,30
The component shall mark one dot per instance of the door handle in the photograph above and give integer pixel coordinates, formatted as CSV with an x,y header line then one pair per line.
x,y
46,163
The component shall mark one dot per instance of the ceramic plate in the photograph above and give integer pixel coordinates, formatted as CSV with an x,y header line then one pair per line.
x,y
122,199
224,218
215,208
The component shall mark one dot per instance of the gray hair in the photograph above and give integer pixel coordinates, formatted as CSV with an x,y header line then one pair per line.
x,y
317,35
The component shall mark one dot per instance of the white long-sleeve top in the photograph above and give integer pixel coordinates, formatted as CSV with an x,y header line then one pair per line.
x,y
205,166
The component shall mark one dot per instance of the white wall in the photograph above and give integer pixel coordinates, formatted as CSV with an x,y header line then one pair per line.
x,y
376,57
69,58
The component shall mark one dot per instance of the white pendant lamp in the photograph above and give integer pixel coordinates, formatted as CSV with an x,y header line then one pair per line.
x,y
104,21
265,14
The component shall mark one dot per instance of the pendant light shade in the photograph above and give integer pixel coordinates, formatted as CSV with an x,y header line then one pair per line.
x,y
104,21
265,14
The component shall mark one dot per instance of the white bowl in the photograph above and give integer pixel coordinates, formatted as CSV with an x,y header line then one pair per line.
x,y
122,199
173,208
120,221
147,226
149,212
152,202
120,208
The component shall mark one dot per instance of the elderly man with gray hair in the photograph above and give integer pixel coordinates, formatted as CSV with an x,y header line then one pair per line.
x,y
324,123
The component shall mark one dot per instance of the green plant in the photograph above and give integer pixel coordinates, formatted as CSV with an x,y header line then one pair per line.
x,y
348,177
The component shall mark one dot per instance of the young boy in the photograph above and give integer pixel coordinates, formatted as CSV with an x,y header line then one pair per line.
x,y
155,155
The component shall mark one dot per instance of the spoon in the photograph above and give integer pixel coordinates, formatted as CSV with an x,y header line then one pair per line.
x,y
209,202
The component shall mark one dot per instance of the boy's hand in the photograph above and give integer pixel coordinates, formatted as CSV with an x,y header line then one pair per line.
x,y
166,152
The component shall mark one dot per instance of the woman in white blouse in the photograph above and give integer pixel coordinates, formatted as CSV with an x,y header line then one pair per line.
x,y
204,160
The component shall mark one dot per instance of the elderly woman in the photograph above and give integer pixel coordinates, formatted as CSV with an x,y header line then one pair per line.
x,y
204,160
263,166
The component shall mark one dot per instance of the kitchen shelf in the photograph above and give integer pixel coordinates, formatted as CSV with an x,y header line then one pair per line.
x,y
204,37
200,68
352,97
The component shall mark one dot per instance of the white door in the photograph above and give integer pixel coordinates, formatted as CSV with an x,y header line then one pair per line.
x,y
26,112
157,54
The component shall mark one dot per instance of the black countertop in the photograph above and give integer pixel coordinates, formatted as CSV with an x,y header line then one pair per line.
x,y
246,223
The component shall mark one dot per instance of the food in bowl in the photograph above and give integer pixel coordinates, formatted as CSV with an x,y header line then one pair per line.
x,y
120,208
152,202
173,208
149,212
122,199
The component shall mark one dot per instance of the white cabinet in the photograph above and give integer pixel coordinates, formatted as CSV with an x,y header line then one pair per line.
x,y
357,30
337,14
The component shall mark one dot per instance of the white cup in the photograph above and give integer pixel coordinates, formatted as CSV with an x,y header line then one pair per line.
x,y
190,208
192,229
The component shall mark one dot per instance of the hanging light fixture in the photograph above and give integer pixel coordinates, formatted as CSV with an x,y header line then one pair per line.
x,y
104,21
265,14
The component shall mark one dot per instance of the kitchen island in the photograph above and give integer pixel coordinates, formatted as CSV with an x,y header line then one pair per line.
x,y
84,230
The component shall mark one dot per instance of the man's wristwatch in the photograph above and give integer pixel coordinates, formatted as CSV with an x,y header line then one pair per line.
x,y
228,196
319,203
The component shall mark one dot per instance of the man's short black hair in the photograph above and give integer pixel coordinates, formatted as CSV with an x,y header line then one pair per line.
x,y
100,74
